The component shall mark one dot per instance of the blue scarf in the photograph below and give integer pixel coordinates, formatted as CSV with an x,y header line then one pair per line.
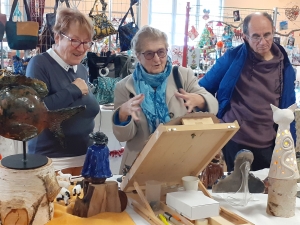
x,y
154,105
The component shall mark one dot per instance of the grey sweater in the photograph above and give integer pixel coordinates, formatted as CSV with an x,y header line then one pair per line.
x,y
256,89
63,94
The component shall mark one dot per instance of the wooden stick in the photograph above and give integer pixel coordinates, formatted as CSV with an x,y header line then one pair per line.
x,y
142,214
151,216
286,35
233,217
142,196
218,220
203,189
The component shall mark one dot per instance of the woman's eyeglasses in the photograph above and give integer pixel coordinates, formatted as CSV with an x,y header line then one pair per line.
x,y
161,53
76,43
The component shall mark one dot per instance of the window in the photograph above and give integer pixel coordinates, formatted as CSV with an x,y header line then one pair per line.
x,y
4,7
169,16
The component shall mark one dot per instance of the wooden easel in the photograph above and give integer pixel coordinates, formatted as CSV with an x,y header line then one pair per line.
x,y
179,141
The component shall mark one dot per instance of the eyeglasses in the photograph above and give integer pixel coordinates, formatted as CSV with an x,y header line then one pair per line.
x,y
161,53
76,43
257,39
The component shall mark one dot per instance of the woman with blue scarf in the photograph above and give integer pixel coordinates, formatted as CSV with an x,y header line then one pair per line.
x,y
150,96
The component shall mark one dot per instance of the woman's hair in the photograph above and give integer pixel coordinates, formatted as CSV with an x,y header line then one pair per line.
x,y
66,16
248,18
147,33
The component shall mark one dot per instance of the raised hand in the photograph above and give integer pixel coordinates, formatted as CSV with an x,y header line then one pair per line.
x,y
131,108
80,83
191,100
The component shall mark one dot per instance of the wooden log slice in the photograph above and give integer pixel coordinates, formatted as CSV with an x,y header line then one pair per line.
x,y
27,195
99,198
282,197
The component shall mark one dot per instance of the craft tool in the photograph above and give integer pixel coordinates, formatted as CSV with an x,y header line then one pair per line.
x,y
163,219
172,219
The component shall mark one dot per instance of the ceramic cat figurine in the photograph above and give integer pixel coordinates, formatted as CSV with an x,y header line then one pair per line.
x,y
283,164
283,173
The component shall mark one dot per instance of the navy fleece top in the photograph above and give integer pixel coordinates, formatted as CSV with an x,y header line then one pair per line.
x,y
63,94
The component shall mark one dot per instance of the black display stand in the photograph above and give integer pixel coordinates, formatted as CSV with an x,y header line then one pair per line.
x,y
24,161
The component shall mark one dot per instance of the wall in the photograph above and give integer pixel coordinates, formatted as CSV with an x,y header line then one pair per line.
x,y
255,3
144,12
263,4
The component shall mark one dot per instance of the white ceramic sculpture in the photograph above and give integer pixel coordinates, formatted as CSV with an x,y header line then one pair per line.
x,y
283,172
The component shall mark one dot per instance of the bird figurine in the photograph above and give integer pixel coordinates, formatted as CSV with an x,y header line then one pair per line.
x,y
24,115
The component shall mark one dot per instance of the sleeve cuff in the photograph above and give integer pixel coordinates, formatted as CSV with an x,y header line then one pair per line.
x,y
117,122
204,109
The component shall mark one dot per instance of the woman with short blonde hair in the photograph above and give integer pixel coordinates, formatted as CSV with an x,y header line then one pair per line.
x,y
67,16
67,81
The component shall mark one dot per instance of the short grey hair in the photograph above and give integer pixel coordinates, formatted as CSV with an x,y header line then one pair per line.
x,y
248,18
150,33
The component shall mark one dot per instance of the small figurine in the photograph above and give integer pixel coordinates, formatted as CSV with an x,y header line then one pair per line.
x,y
212,172
96,165
64,195
77,190
233,181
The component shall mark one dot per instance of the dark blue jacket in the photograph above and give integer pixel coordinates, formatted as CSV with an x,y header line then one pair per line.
x,y
223,76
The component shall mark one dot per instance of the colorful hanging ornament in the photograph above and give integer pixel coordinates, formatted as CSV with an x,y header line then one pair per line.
x,y
291,40
227,36
204,38
238,33
176,63
283,25
292,13
206,14
220,45
209,27
177,52
116,153
193,33
194,63
219,24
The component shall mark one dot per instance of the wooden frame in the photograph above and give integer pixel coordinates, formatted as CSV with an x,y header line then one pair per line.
x,y
173,151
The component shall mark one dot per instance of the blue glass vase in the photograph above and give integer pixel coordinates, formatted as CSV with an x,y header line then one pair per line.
x,y
96,165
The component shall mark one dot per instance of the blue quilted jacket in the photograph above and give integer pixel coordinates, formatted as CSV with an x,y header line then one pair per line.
x,y
222,77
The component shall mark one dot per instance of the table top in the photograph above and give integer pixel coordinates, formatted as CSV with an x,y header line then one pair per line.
x,y
254,211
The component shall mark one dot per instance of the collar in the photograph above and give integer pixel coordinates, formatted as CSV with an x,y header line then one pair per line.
x,y
277,55
60,61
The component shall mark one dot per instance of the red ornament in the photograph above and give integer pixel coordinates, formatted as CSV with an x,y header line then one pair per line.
x,y
116,153
220,44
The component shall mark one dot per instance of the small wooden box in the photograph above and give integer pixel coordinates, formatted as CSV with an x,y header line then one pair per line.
x,y
175,150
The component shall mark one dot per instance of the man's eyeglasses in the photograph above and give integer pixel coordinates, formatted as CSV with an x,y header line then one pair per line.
x,y
161,53
257,39
76,43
